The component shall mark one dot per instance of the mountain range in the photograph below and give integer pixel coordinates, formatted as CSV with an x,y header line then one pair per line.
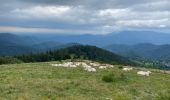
x,y
123,37
144,50
138,46
77,52
12,44
145,44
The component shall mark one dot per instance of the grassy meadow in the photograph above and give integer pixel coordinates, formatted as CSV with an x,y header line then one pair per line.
x,y
41,81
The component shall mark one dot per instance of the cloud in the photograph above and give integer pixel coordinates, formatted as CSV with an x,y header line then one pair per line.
x,y
86,15
42,30
40,12
143,23
161,5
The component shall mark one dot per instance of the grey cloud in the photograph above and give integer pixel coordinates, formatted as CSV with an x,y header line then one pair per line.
x,y
92,4
100,15
153,6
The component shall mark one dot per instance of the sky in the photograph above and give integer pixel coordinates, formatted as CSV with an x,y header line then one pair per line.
x,y
83,16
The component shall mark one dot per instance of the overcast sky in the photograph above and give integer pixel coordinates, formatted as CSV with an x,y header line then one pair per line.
x,y
83,16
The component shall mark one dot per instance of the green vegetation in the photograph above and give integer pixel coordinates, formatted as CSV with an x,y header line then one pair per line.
x,y
114,77
76,52
144,54
108,78
41,81
143,62
9,60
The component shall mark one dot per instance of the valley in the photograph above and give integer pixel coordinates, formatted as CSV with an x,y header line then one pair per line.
x,y
152,54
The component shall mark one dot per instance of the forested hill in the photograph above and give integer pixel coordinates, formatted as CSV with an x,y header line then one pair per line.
x,y
77,52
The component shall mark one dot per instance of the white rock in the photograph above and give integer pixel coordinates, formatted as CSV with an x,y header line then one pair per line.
x,y
67,64
111,66
56,65
78,63
102,67
144,73
127,69
91,69
94,64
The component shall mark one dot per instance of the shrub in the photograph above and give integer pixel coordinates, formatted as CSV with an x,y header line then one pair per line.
x,y
120,67
9,60
114,77
108,78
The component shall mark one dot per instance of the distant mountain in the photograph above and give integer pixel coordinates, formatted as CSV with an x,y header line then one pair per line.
x,y
43,42
11,44
51,45
7,38
144,54
78,51
136,37
145,50
123,37
14,49
47,45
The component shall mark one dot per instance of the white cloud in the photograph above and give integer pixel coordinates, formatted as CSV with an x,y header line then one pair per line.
x,y
142,23
113,12
162,26
41,11
159,5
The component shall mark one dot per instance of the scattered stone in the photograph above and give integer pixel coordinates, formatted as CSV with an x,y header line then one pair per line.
x,y
144,73
87,65
127,68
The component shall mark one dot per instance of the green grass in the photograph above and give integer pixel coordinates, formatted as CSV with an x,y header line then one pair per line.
x,y
40,81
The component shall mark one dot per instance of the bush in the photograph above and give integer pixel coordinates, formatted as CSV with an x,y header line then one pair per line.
x,y
114,77
120,67
9,60
108,78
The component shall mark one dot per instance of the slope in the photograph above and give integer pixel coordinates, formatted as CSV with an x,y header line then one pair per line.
x,y
77,51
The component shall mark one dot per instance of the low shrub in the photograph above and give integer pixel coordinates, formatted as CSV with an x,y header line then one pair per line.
x,y
114,77
9,60
120,67
108,78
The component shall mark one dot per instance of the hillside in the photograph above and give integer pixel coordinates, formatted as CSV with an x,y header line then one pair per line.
x,y
24,44
145,51
122,37
76,52
46,45
14,49
17,39
43,42
12,44
137,37
41,81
